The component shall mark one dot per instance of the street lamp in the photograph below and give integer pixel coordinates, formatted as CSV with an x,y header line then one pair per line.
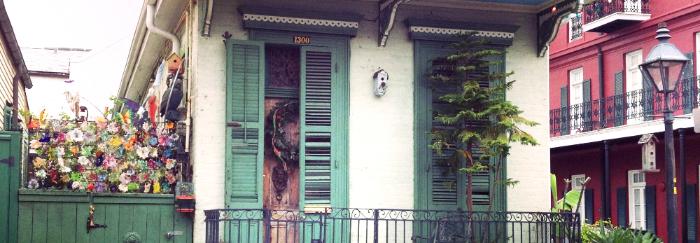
x,y
663,67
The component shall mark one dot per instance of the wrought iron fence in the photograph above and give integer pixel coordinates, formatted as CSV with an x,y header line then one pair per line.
x,y
627,108
388,225
601,8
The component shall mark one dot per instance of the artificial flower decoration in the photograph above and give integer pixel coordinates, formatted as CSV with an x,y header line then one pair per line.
x,y
40,173
115,153
33,183
34,144
76,135
39,162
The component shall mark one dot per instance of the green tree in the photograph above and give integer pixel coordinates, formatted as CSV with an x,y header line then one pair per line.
x,y
478,118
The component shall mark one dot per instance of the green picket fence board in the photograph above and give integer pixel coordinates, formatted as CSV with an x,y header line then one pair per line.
x,y
166,222
54,215
81,215
25,223
98,234
139,226
152,224
112,221
126,214
39,223
68,223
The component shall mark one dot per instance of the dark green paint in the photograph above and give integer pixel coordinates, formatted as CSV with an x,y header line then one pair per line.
x,y
10,159
431,187
62,217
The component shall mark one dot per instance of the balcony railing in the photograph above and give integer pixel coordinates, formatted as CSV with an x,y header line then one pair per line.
x,y
629,108
388,225
602,8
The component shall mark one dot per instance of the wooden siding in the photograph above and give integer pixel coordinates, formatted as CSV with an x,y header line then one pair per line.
x,y
7,72
62,217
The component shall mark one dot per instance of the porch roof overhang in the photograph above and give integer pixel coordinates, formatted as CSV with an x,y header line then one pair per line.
x,y
144,54
495,34
341,23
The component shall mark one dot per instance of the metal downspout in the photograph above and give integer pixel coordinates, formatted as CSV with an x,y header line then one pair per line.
x,y
601,89
207,18
606,179
150,16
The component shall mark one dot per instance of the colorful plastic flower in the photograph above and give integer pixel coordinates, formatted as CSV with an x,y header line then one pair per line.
x,y
143,152
82,160
33,183
75,135
76,176
34,144
39,162
101,123
170,163
113,128
123,188
40,173
65,169
124,178
115,141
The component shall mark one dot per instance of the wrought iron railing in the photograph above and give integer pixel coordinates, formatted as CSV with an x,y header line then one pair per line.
x,y
388,225
629,108
601,8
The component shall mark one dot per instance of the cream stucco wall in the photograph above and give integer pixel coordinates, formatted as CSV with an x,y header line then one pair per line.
x,y
380,129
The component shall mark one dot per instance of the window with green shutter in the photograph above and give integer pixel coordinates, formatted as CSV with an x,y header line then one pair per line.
x,y
244,123
323,100
317,157
619,99
438,186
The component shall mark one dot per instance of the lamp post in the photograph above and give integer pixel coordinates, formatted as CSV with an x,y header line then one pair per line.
x,y
663,67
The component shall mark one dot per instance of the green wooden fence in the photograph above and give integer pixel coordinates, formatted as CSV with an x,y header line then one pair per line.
x,y
10,159
62,217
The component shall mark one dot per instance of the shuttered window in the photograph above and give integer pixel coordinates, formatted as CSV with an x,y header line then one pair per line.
x,y
688,85
438,185
244,123
619,99
317,129
321,95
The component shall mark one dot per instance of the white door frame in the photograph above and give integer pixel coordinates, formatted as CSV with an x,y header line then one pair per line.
x,y
576,97
636,183
633,81
577,184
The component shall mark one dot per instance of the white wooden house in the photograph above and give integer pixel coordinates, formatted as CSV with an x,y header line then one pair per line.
x,y
242,59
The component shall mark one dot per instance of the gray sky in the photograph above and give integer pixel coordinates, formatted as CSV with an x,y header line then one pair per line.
x,y
105,26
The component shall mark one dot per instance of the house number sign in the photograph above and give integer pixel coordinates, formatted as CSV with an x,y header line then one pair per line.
x,y
302,40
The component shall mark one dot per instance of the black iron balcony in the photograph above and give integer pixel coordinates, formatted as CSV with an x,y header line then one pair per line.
x,y
610,15
388,226
630,108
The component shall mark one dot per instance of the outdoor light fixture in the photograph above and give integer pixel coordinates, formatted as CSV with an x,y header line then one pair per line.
x,y
665,63
663,67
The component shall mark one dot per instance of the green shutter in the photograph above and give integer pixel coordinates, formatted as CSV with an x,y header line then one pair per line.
x,y
587,106
589,199
650,208
565,110
688,85
648,93
619,99
691,211
244,119
622,207
317,130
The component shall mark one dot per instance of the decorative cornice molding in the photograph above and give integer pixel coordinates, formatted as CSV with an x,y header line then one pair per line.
x,y
300,21
451,31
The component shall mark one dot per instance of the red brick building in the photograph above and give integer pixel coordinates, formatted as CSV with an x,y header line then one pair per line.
x,y
601,106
